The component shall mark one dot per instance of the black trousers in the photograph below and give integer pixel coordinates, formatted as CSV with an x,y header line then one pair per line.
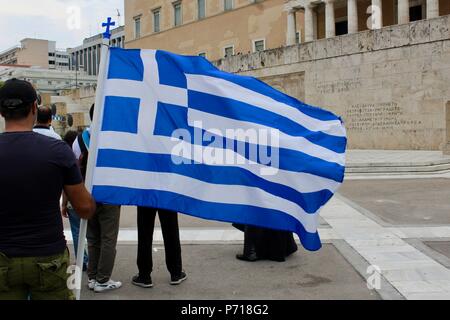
x,y
171,235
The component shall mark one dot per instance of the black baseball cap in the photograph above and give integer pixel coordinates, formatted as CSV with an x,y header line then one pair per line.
x,y
16,94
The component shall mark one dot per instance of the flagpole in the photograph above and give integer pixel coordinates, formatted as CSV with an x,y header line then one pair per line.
x,y
92,159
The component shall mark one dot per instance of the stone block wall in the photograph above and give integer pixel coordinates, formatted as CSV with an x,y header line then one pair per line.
x,y
391,86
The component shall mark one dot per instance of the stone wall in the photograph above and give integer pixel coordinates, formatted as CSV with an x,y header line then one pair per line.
x,y
76,103
390,86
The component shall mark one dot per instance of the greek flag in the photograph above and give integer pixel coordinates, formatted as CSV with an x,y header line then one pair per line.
x,y
177,133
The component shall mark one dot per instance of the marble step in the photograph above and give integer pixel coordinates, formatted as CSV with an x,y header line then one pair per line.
x,y
398,168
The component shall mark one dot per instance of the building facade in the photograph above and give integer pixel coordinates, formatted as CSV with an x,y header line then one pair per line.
x,y
219,28
58,87
48,81
212,28
330,18
37,53
86,57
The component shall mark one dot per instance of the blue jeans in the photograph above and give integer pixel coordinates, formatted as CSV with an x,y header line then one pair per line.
x,y
74,220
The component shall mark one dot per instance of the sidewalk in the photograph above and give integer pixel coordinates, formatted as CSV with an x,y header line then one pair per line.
x,y
215,273
408,258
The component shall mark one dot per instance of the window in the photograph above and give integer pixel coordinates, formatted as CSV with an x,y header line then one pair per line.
x,y
228,51
228,4
297,37
177,13
341,28
415,13
137,27
202,54
201,8
259,45
156,20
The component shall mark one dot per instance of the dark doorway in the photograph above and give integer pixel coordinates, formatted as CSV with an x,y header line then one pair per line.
x,y
341,28
415,13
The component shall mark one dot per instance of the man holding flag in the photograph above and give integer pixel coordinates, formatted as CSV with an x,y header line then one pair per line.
x,y
34,169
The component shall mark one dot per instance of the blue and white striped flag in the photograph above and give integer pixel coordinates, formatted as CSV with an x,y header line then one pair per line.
x,y
177,133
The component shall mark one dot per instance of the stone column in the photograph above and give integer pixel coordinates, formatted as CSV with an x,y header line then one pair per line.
x,y
446,149
99,50
94,59
377,14
291,28
432,9
330,24
309,23
85,63
352,13
403,11
91,62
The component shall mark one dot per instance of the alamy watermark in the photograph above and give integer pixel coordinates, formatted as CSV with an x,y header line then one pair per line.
x,y
228,147
74,279
374,277
73,17
375,19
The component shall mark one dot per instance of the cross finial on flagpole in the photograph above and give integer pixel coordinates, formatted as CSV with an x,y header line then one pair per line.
x,y
108,25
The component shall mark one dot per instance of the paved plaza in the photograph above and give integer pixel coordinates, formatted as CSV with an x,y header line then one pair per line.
x,y
397,225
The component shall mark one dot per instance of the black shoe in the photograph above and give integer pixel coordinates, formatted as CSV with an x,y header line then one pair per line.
x,y
142,282
174,280
251,257
249,253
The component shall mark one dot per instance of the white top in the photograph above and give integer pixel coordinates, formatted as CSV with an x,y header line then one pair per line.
x,y
76,149
48,132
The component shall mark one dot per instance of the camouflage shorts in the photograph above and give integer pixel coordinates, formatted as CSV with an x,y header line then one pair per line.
x,y
35,278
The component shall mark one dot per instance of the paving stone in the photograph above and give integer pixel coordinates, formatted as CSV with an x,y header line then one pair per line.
x,y
403,202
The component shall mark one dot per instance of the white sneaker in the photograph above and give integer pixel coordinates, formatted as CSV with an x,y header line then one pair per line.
x,y
110,285
91,284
